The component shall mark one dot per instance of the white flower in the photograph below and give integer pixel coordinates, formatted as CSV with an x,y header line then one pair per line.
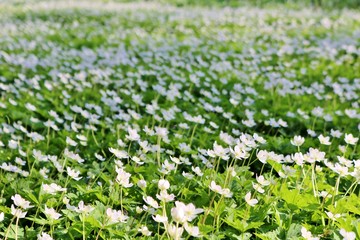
x,y
82,138
324,140
141,184
259,138
218,189
282,123
70,142
174,232
160,219
185,148
52,189
335,133
137,160
73,156
115,216
178,213
239,153
20,161
261,180
307,234
133,135
297,141
344,161
13,144
165,197
123,178
198,119
21,202
347,235
263,156
298,158
226,193
99,157
175,160
325,194
350,139
314,155
161,132
193,231
341,170
2,216
30,107
84,209
258,188
150,201
167,166
148,131
73,174
44,236
51,213
184,126
197,171
145,231
251,202
17,212
333,216
119,153
219,151
317,111
191,211
163,184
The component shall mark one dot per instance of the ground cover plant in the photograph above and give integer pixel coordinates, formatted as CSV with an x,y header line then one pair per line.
x,y
147,121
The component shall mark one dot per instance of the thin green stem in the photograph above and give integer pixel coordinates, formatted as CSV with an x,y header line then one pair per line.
x,y
158,151
208,210
8,228
16,228
83,226
192,134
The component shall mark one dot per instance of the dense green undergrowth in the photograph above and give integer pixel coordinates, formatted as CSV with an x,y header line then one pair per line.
x,y
146,121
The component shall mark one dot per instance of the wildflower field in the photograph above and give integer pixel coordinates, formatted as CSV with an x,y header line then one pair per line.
x,y
151,121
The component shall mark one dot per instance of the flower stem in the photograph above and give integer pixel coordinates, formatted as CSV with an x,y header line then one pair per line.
x,y
207,212
121,205
192,134
98,235
16,228
336,189
7,230
158,151
83,225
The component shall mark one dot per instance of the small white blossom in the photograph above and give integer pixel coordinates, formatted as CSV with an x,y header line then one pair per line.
x,y
350,139
347,235
297,141
51,213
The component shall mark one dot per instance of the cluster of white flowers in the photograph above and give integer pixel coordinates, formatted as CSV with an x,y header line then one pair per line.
x,y
218,189
21,204
172,98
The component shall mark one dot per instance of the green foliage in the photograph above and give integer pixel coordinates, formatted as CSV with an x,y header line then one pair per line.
x,y
100,101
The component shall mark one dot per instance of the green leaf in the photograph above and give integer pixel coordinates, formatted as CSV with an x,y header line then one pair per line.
x,y
294,231
32,197
14,232
38,220
296,199
277,166
243,225
93,221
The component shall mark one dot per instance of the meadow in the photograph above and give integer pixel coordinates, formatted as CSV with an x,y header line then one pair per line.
x,y
154,121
